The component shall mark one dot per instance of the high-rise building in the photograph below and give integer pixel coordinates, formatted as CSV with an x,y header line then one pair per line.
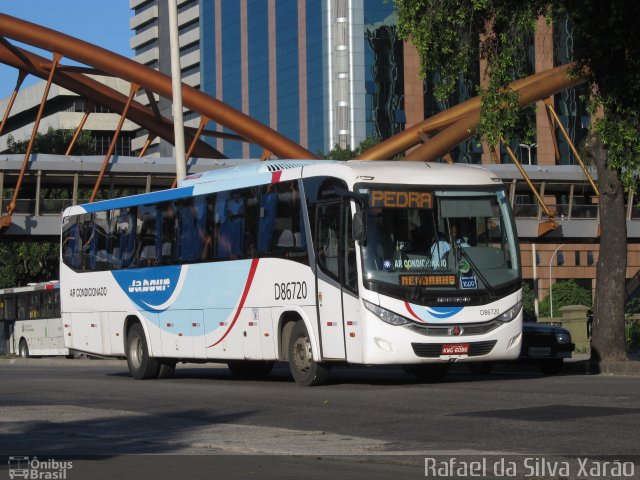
x,y
150,43
321,72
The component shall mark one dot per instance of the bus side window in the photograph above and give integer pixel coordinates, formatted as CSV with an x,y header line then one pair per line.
x,y
328,238
100,260
290,240
350,265
146,253
165,231
267,218
72,242
88,242
191,229
21,310
10,308
33,305
126,233
229,218
320,188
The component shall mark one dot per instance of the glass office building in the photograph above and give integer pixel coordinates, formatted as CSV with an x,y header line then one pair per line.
x,y
319,72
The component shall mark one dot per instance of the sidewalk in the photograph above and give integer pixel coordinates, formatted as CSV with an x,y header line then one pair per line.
x,y
581,364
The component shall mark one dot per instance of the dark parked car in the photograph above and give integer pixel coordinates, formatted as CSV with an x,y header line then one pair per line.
x,y
544,345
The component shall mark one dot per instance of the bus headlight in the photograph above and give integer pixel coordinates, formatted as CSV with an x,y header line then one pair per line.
x,y
385,315
510,314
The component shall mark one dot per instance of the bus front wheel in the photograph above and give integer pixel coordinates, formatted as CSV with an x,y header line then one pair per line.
x,y
23,349
141,365
305,370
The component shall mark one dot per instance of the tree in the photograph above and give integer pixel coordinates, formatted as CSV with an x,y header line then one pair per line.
x,y
27,261
55,142
340,153
449,35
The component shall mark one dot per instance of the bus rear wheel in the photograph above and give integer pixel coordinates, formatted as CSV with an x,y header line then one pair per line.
x,y
250,369
305,370
166,369
23,349
141,365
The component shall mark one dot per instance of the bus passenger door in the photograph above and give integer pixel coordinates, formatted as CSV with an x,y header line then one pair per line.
x,y
329,245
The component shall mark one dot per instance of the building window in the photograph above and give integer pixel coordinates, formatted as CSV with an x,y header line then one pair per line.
x,y
187,28
589,258
578,258
187,5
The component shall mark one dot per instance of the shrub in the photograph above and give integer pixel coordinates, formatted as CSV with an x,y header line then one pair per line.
x,y
567,292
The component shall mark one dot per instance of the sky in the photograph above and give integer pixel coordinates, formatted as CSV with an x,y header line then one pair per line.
x,y
102,22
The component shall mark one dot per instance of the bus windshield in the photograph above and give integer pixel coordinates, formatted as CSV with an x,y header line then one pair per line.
x,y
423,241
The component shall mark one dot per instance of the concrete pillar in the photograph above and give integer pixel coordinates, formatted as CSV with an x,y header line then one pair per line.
x,y
574,319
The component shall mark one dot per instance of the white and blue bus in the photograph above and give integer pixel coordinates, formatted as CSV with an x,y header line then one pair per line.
x,y
310,262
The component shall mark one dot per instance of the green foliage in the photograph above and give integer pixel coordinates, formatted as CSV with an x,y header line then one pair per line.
x,y
450,36
619,130
567,292
339,153
633,306
27,261
632,332
54,142
613,68
528,299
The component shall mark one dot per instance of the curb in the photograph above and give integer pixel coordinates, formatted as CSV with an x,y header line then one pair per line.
x,y
587,367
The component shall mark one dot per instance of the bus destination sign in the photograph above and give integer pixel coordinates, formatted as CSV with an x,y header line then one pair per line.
x,y
400,199
427,280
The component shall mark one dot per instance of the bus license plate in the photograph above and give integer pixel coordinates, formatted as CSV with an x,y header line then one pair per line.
x,y
455,349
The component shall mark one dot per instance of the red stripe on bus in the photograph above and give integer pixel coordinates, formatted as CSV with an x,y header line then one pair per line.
x,y
275,176
247,287
406,304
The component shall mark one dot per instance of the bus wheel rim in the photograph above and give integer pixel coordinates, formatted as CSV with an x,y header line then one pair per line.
x,y
302,355
136,351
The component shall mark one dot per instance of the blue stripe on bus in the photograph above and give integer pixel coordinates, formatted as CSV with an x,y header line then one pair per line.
x,y
145,198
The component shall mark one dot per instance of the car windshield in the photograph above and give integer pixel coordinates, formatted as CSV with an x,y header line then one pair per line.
x,y
442,241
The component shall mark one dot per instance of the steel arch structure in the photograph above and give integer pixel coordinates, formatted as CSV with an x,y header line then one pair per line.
x,y
109,63
430,139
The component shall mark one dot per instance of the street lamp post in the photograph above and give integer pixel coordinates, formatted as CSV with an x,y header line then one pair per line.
x,y
550,288
528,147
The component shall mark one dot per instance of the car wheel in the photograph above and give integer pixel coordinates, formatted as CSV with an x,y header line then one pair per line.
x,y
551,366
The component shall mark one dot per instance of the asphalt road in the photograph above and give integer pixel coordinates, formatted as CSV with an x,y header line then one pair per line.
x,y
367,423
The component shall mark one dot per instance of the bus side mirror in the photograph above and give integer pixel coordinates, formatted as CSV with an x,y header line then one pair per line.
x,y
359,229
